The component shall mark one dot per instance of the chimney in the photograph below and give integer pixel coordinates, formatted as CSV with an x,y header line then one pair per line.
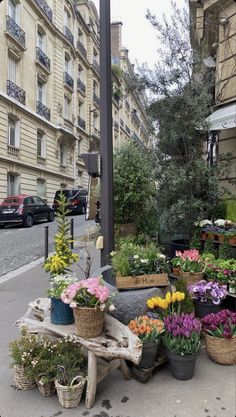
x,y
116,40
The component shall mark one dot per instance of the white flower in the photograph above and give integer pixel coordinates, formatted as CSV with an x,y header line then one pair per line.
x,y
144,261
203,223
111,307
161,256
220,222
112,253
136,257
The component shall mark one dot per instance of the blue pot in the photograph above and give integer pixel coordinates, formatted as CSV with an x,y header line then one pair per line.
x,y
61,313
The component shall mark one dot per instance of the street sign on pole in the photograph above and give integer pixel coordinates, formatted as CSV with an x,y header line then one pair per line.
x,y
106,151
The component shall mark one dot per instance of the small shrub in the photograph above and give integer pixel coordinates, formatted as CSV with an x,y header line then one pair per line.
x,y
225,250
209,247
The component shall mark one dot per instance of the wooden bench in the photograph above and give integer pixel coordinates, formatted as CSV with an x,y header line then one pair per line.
x,y
105,353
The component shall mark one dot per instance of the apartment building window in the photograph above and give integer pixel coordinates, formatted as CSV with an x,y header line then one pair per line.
x,y
40,91
41,144
41,40
41,189
13,10
66,107
12,69
13,132
62,155
13,184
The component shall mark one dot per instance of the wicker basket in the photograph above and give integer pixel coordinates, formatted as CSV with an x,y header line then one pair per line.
x,y
70,396
221,350
191,277
23,382
48,389
89,321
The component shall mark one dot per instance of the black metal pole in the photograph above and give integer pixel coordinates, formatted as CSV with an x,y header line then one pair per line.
x,y
46,243
72,233
106,152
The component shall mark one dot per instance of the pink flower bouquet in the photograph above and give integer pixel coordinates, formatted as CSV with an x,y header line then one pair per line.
x,y
90,293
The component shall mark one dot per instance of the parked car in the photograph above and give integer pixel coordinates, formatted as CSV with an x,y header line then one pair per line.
x,y
24,209
76,198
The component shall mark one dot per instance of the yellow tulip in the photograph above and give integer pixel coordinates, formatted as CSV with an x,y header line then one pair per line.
x,y
157,301
164,304
150,303
173,297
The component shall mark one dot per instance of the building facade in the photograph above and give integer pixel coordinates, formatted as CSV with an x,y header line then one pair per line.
x,y
49,96
214,31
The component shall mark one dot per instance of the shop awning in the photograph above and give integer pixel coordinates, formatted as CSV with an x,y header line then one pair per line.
x,y
223,118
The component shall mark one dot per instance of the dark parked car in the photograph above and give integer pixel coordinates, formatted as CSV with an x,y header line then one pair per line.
x,y
76,198
24,209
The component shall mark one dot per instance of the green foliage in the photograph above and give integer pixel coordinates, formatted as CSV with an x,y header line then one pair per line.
x,y
230,210
116,69
195,242
182,345
43,366
25,348
209,247
225,251
133,184
69,360
187,305
63,257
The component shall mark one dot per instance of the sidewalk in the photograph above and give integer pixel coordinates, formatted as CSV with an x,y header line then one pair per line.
x,y
211,393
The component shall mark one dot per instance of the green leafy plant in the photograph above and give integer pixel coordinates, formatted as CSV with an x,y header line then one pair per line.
x,y
69,360
63,257
43,366
187,305
209,247
225,251
195,242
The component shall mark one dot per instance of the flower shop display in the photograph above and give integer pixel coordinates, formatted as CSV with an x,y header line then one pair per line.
x,y
148,331
170,304
61,313
182,342
71,372
218,230
207,297
191,265
139,266
223,271
89,298
220,334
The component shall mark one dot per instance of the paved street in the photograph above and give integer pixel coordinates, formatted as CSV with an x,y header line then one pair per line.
x,y
20,245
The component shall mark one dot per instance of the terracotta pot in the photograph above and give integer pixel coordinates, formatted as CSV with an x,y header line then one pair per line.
x,y
232,240
220,238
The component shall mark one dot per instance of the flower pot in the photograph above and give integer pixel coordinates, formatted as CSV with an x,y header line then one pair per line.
x,y
191,277
89,321
203,309
176,271
46,389
204,235
149,354
61,313
210,236
220,238
221,350
232,240
182,366
69,396
21,380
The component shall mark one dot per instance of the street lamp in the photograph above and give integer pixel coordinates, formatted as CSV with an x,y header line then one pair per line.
x,y
106,152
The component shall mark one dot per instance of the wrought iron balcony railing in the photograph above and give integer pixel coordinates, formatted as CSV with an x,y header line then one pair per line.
x,y
96,65
81,123
127,129
42,58
81,85
68,80
15,30
96,99
43,110
45,8
68,35
82,49
16,92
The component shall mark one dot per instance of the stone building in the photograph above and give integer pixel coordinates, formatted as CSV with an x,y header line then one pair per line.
x,y
214,30
49,95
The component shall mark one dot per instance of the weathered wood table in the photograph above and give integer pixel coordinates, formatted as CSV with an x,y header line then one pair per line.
x,y
105,353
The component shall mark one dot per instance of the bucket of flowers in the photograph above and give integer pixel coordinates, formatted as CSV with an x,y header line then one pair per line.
x,y
148,331
191,265
207,297
220,333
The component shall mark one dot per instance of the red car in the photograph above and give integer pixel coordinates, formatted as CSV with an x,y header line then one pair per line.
x,y
24,209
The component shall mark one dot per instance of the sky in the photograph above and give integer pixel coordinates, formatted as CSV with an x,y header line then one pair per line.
x,y
138,35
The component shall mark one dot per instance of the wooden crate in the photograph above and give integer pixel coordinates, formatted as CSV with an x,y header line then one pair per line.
x,y
142,281
145,374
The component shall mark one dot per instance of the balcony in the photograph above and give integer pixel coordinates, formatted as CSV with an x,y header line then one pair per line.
x,y
43,110
81,86
45,8
12,150
96,66
69,35
122,122
68,80
82,49
127,129
81,123
15,31
42,58
135,118
16,92
96,132
116,126
96,99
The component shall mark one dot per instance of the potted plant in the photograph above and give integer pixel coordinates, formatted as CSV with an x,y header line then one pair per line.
x,y
191,265
71,372
220,334
222,271
182,342
58,265
148,331
23,350
139,266
207,297
165,306
89,298
203,226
